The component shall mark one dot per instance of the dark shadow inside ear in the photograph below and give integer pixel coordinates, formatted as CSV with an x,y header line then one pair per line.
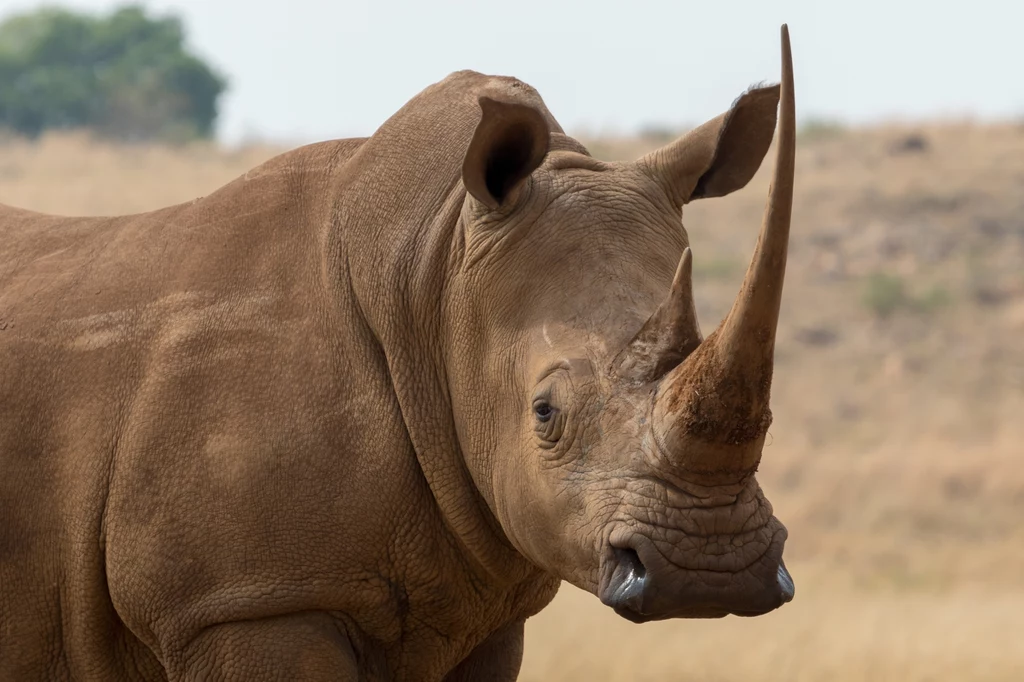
x,y
510,155
510,142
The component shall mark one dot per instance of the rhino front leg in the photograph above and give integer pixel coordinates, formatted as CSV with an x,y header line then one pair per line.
x,y
306,646
496,658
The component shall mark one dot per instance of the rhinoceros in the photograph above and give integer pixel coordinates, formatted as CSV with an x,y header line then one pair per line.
x,y
358,413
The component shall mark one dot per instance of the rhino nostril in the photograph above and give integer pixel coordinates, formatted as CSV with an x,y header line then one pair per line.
x,y
786,586
626,582
629,559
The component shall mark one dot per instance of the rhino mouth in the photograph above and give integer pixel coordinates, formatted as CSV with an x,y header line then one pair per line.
x,y
641,585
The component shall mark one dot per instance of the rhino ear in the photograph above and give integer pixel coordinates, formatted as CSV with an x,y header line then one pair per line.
x,y
722,155
510,142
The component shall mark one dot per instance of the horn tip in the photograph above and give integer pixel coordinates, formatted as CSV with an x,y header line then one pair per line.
x,y
786,49
685,269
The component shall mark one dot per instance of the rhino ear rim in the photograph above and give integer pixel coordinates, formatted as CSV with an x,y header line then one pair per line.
x,y
510,143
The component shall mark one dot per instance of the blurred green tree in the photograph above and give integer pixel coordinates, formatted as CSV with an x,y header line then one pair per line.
x,y
126,76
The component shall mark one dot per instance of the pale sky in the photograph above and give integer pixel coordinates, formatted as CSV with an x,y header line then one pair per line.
x,y
304,70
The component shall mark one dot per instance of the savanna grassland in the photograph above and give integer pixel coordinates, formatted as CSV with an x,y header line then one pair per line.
x,y
896,457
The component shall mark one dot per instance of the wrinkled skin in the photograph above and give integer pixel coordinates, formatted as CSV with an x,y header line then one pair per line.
x,y
357,414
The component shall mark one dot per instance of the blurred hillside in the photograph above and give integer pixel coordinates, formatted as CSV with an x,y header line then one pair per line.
x,y
896,456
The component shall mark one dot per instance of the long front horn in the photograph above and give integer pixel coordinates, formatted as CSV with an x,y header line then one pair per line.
x,y
711,412
747,335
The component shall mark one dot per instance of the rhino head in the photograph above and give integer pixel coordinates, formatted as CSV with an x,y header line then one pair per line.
x,y
615,445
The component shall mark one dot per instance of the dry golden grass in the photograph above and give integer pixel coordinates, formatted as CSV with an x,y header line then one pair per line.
x,y
896,457
824,635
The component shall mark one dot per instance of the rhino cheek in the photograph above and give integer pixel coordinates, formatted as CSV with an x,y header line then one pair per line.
x,y
547,519
524,508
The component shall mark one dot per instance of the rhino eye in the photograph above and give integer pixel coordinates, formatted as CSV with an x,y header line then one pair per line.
x,y
550,422
543,410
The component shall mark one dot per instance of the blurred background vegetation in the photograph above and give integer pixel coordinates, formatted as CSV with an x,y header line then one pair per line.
x,y
126,75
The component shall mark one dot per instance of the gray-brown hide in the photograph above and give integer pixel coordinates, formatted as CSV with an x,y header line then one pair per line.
x,y
344,419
